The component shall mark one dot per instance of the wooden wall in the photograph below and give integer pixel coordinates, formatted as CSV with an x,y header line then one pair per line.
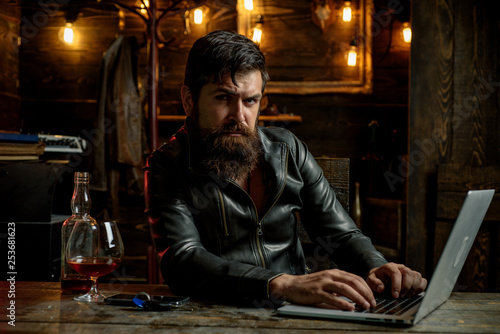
x,y
10,19
454,132
59,82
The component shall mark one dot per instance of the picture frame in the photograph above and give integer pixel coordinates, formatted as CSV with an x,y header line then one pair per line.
x,y
308,56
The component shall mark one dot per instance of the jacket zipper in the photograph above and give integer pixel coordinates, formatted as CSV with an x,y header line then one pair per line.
x,y
259,224
259,227
258,235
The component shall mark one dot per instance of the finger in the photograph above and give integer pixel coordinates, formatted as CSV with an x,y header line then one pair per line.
x,y
375,283
409,280
396,279
352,287
338,303
423,285
419,284
345,290
362,287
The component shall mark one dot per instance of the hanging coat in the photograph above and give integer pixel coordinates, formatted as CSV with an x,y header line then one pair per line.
x,y
118,142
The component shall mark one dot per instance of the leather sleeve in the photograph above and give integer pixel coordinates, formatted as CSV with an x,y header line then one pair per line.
x,y
328,224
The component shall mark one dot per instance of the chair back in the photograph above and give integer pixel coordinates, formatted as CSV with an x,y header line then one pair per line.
x,y
336,171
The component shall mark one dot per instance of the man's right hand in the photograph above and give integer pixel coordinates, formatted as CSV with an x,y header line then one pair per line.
x,y
323,287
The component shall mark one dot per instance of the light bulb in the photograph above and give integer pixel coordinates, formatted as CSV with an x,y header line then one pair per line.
x,y
198,16
406,32
67,33
347,12
143,6
352,56
121,19
257,35
248,4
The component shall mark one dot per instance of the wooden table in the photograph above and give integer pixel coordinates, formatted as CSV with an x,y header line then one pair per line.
x,y
40,307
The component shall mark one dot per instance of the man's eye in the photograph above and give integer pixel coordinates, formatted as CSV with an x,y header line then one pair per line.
x,y
251,101
222,97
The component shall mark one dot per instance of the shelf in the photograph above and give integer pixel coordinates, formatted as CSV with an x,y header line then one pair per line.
x,y
171,118
263,118
281,118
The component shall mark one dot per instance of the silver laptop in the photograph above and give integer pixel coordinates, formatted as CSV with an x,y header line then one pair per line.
x,y
410,311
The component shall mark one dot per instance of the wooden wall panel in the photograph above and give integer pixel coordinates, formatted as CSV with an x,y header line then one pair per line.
x,y
58,82
68,117
455,180
427,95
55,73
453,131
10,15
475,85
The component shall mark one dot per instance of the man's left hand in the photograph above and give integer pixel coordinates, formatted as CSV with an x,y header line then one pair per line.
x,y
402,280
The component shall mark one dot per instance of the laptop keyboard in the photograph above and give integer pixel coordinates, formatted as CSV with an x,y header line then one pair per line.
x,y
392,306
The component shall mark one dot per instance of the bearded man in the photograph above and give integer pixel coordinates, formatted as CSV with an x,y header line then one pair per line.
x,y
223,193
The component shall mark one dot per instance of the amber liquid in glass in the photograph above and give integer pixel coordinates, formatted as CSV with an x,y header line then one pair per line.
x,y
94,267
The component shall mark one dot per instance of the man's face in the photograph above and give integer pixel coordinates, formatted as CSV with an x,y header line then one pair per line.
x,y
225,119
225,103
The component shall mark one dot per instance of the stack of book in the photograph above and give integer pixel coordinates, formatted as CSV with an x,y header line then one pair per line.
x,y
20,147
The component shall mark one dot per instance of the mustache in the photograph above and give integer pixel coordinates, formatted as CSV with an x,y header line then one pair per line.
x,y
232,127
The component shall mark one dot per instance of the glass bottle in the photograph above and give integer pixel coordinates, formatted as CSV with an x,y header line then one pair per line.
x,y
72,281
357,212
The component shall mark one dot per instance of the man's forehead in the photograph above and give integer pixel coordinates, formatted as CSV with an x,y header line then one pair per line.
x,y
226,82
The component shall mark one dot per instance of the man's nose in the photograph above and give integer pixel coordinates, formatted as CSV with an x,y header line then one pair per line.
x,y
236,112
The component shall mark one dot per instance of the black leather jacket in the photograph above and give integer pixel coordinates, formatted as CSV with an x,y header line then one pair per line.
x,y
207,228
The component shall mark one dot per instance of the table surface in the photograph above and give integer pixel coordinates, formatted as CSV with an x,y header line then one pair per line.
x,y
40,307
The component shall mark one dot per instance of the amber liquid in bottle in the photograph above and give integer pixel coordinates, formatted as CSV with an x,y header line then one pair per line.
x,y
71,280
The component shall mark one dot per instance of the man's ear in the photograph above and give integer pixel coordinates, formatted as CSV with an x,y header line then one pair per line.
x,y
187,100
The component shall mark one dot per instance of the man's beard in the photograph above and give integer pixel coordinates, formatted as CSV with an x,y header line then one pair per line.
x,y
230,156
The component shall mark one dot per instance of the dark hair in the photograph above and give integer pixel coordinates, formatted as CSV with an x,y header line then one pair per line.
x,y
219,53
